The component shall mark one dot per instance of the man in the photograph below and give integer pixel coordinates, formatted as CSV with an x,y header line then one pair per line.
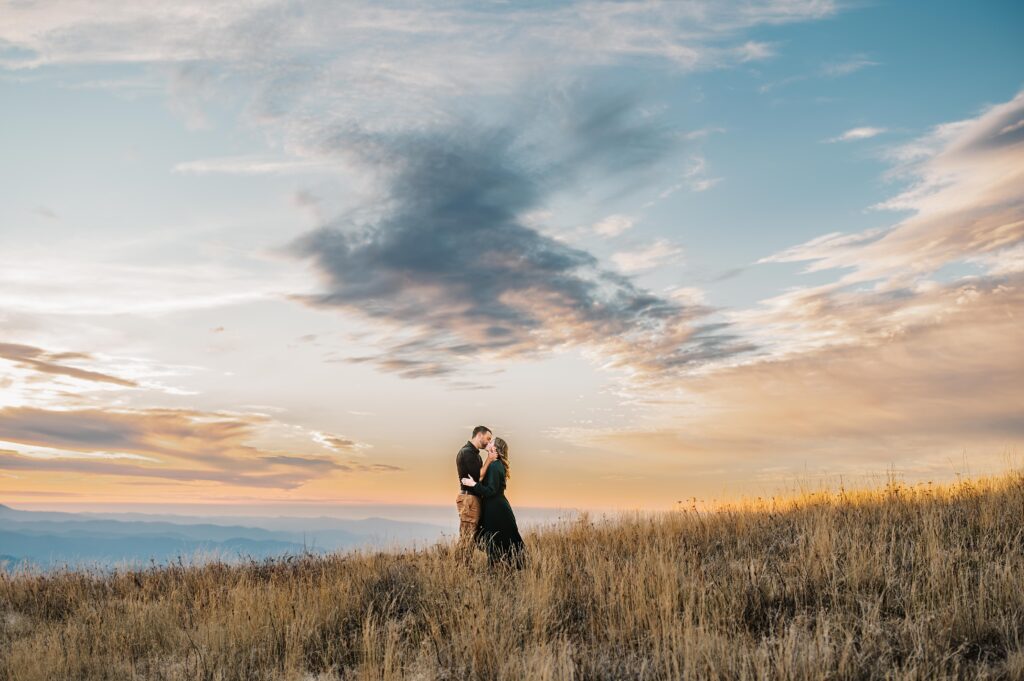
x,y
468,463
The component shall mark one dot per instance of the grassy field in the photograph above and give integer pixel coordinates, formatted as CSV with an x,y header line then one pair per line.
x,y
921,582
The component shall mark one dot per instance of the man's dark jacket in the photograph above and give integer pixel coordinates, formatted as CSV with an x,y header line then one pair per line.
x,y
467,461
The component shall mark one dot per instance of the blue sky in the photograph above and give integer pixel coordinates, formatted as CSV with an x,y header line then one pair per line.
x,y
626,235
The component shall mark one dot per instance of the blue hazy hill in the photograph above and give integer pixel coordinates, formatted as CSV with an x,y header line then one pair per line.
x,y
50,539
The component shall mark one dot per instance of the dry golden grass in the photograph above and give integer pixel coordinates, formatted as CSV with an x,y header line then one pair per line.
x,y
901,583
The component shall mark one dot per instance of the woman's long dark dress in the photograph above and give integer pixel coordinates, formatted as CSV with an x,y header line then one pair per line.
x,y
498,533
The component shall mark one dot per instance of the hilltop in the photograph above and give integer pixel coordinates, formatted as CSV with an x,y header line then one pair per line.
x,y
900,582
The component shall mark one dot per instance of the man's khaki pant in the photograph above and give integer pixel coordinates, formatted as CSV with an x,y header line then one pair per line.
x,y
469,518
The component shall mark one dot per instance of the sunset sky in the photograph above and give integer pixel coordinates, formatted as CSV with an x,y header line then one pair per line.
x,y
285,255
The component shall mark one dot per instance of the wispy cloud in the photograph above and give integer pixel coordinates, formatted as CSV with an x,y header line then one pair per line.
x,y
91,286
384,64
177,445
913,390
967,209
696,175
701,133
614,225
338,443
847,66
965,196
753,50
688,35
656,254
857,134
251,165
832,69
690,295
695,178
57,363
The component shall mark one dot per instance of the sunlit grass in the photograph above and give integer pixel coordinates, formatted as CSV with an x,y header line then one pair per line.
x,y
900,582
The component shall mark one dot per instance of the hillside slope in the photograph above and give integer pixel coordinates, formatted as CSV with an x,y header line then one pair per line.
x,y
905,583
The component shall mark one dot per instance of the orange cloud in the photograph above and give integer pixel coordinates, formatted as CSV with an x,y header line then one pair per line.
x,y
185,445
948,380
37,359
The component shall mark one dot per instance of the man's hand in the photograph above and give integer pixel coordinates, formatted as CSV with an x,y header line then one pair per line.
x,y
469,482
491,457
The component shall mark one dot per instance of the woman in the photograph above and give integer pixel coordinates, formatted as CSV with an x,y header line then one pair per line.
x,y
498,529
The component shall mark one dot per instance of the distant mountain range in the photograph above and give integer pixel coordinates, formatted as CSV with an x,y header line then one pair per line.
x,y
49,539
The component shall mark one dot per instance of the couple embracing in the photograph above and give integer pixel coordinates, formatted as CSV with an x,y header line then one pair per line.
x,y
485,516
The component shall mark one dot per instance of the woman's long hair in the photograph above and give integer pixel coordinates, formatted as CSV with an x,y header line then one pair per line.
x,y
501,447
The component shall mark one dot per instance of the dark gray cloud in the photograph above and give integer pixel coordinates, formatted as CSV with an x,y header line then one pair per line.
x,y
38,359
449,261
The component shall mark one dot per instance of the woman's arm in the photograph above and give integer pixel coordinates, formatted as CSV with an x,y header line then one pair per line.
x,y
487,462
488,486
470,483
